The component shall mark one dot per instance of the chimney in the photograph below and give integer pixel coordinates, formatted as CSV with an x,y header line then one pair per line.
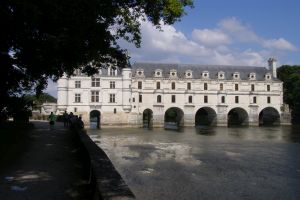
x,y
272,66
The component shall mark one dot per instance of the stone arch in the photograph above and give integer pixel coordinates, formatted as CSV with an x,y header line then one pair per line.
x,y
238,117
205,116
269,116
95,119
147,118
174,118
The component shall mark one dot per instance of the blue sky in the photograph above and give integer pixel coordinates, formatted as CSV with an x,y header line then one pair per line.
x,y
230,32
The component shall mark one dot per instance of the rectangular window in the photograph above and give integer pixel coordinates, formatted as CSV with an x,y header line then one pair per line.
x,y
77,84
190,99
254,99
173,98
140,85
95,96
268,88
269,99
112,98
157,85
115,110
236,87
140,98
236,99
112,84
205,86
205,99
77,98
221,86
189,86
252,87
223,99
173,85
133,99
95,82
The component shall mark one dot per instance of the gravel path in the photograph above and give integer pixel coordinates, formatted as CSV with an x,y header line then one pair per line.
x,y
50,168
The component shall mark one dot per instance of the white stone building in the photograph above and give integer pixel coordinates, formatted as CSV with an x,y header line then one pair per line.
x,y
152,94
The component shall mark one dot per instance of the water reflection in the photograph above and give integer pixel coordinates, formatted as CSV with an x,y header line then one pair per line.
x,y
205,130
206,162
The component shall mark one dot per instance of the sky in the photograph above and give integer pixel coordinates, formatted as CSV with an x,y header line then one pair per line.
x,y
225,32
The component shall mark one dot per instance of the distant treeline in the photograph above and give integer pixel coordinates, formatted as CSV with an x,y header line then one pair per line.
x,y
290,75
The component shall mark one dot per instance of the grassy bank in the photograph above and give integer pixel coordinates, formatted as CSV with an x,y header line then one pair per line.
x,y
14,140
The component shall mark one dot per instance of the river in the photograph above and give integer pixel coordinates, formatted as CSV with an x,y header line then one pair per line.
x,y
206,163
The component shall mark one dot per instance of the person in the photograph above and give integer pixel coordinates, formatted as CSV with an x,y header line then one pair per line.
x,y
51,119
66,119
80,123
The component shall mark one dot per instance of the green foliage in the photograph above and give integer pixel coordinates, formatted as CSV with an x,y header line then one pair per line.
x,y
290,75
40,98
46,38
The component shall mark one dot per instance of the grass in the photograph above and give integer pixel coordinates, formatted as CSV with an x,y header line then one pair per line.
x,y
13,140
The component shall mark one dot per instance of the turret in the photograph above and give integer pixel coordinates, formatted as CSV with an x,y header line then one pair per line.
x,y
126,82
62,93
272,66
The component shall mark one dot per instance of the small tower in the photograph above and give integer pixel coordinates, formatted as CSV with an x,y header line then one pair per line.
x,y
62,93
272,66
126,86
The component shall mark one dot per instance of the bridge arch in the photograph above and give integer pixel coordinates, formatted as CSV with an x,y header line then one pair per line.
x,y
174,118
269,116
147,118
95,119
205,116
237,117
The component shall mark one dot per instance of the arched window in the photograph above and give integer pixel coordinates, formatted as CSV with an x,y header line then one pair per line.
x,y
158,98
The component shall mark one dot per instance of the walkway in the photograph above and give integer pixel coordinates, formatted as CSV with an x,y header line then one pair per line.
x,y
50,168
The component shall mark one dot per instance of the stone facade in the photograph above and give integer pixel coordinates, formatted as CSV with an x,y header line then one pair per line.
x,y
147,94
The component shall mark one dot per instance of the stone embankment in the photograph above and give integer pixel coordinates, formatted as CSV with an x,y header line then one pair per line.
x,y
107,183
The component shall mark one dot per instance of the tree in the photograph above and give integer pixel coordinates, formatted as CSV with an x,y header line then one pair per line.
x,y
43,39
290,75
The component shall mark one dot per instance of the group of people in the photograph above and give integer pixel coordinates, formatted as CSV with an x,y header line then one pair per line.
x,y
70,120
73,121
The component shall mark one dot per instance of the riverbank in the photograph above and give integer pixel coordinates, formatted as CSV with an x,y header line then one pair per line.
x,y
48,164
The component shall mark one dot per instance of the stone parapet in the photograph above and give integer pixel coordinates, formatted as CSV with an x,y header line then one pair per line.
x,y
108,183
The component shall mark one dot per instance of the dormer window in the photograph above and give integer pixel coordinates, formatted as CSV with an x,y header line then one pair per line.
x,y
77,72
221,75
158,73
205,74
252,76
268,76
112,71
139,72
236,75
173,73
188,74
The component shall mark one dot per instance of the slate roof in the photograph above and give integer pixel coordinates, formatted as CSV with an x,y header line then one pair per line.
x,y
244,71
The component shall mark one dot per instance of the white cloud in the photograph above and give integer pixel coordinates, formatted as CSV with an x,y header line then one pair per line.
x,y
224,44
238,31
210,37
280,44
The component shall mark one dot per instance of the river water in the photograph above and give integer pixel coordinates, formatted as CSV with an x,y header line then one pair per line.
x,y
206,163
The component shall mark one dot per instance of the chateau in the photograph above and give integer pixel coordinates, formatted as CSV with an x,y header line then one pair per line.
x,y
158,95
